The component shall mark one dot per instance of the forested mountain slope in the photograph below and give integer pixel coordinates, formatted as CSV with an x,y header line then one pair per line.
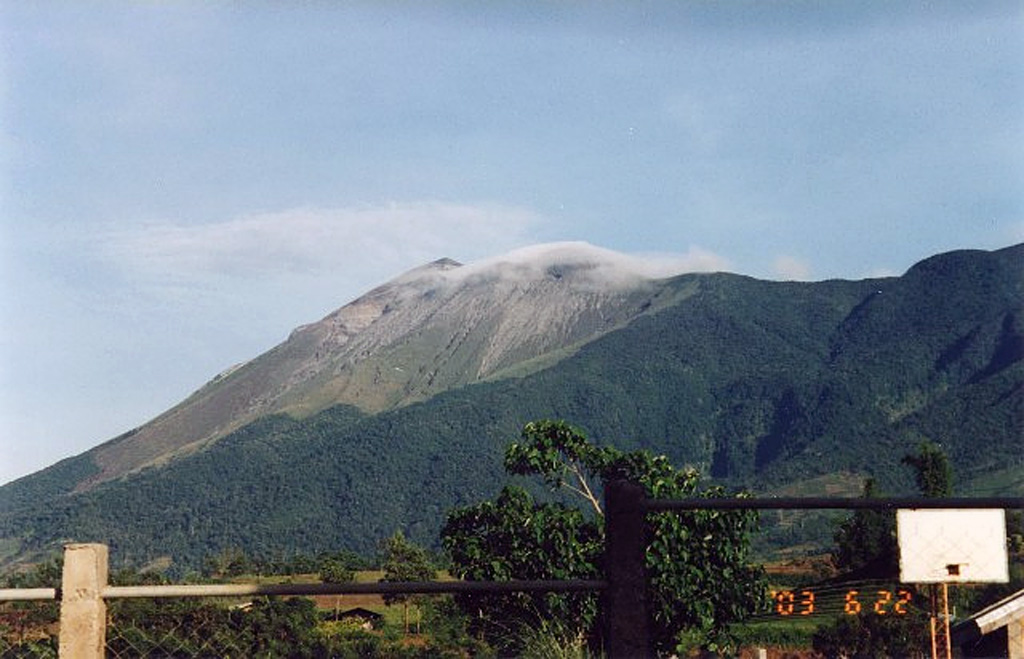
x,y
761,384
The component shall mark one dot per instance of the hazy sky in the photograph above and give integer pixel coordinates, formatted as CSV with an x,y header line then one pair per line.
x,y
182,183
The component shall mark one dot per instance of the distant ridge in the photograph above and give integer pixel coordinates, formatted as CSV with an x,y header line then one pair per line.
x,y
395,408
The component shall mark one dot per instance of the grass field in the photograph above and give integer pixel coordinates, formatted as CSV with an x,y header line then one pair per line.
x,y
393,615
1005,482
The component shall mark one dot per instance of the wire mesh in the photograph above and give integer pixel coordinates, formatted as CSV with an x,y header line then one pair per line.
x,y
172,628
269,627
29,629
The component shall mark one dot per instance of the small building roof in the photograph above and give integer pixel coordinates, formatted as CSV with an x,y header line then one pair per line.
x,y
989,619
360,612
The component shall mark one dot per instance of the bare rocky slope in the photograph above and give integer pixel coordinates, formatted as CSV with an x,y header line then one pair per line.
x,y
439,326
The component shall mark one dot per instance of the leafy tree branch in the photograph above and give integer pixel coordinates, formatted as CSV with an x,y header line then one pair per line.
x,y
699,579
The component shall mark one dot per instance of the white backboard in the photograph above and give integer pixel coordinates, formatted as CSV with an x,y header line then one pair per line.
x,y
952,546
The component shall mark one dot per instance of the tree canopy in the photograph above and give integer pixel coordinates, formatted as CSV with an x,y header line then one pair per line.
x,y
402,560
932,471
699,579
866,542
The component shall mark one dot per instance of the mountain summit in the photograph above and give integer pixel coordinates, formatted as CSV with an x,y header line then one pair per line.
x,y
433,328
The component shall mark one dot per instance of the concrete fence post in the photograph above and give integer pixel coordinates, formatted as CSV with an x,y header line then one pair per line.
x,y
624,605
1015,639
83,613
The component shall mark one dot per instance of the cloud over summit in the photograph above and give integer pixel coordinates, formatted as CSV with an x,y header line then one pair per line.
x,y
597,264
580,264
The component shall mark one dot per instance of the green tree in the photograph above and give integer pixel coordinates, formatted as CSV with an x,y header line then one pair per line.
x,y
932,471
229,562
448,625
333,570
402,560
699,579
866,542
275,627
513,537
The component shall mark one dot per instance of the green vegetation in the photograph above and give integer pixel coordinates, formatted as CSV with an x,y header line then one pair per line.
x,y
760,385
932,471
513,537
697,562
875,636
401,560
25,627
866,542
1001,482
785,634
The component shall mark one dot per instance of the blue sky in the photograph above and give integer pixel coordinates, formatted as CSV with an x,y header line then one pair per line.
x,y
182,183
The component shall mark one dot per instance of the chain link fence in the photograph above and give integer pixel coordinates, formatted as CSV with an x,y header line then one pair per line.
x,y
243,628
29,628
271,627
174,628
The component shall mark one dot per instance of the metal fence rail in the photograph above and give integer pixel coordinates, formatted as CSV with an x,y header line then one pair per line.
x,y
378,588
832,503
28,594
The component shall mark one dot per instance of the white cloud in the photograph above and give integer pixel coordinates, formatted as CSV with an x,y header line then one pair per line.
x,y
582,253
594,266
791,269
315,241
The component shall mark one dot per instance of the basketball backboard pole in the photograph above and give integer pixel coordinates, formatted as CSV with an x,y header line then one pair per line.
x,y
945,621
933,616
941,637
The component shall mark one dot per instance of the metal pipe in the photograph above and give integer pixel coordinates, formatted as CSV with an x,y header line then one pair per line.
x,y
24,594
394,587
831,503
